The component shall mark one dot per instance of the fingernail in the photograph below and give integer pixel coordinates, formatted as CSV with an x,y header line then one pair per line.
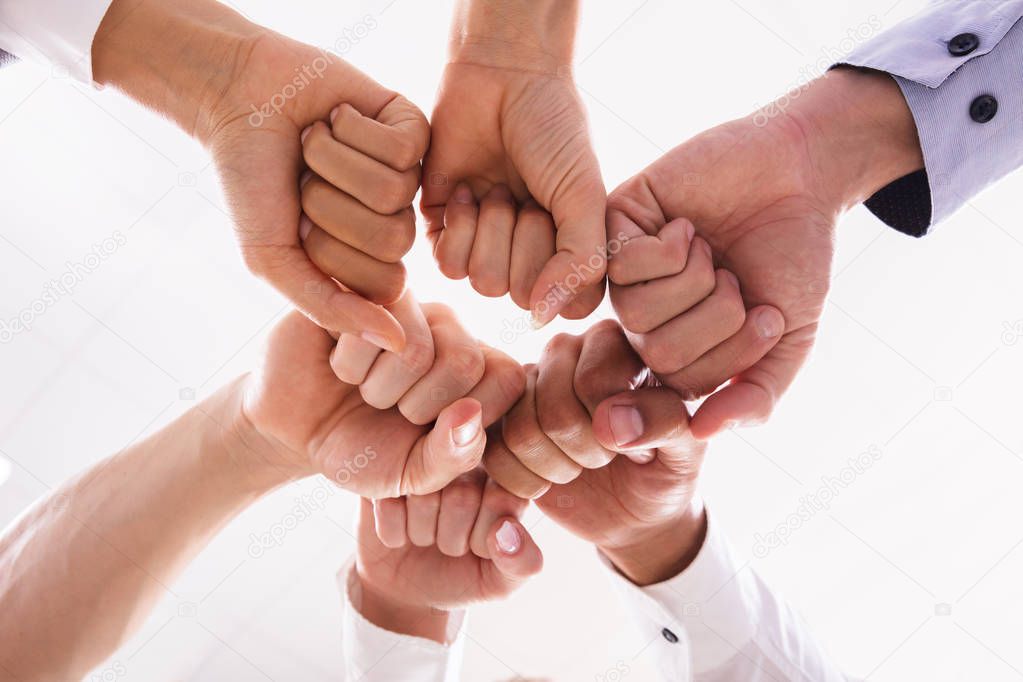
x,y
305,226
690,232
548,307
333,113
305,133
769,324
377,340
626,424
509,540
463,195
306,177
733,279
466,433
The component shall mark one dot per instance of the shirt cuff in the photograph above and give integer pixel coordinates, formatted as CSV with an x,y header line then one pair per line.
x,y
55,32
702,616
956,64
373,654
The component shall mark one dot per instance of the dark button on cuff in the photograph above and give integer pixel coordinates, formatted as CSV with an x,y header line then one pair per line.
x,y
669,635
983,109
963,44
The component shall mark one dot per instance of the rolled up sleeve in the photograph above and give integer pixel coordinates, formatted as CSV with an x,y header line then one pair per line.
x,y
54,32
958,64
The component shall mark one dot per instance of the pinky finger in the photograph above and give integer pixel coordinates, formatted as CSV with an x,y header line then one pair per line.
x,y
391,518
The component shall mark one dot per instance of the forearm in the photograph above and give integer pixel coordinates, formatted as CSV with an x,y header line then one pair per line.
x,y
174,56
517,34
116,536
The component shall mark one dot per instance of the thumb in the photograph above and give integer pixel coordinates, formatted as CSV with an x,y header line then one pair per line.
x,y
752,395
578,267
454,446
514,557
647,423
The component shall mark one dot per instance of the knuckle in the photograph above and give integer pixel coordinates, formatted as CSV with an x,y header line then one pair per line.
x,y
467,363
462,498
397,237
314,195
660,357
406,152
488,283
510,379
525,441
418,355
560,427
390,285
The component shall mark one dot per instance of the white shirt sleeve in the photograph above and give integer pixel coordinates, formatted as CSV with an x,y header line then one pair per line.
x,y
373,654
54,32
717,622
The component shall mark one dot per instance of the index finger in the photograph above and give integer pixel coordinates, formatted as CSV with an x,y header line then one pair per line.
x,y
398,136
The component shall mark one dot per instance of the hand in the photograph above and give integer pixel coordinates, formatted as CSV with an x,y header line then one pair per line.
x,y
298,417
441,363
247,94
546,437
765,193
358,219
639,509
420,557
509,129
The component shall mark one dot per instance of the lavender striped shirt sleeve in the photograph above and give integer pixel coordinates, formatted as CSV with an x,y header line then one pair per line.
x,y
959,64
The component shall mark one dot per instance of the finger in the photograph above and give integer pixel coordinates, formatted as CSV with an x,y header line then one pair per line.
x,y
352,358
681,341
525,438
649,257
398,136
638,423
607,365
390,521
458,365
459,506
585,302
578,210
380,282
313,292
514,556
371,547
505,468
497,502
393,374
377,186
752,395
383,237
454,446
490,259
502,384
532,246
645,306
453,243
759,334
423,511
563,418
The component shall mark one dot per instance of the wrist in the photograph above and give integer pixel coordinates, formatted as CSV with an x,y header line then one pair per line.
x,y
376,606
239,447
861,132
533,35
178,57
661,552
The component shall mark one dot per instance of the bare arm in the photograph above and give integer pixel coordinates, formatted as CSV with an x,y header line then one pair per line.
x,y
82,568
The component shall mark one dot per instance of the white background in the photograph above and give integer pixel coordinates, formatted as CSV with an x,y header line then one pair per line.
x,y
912,573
